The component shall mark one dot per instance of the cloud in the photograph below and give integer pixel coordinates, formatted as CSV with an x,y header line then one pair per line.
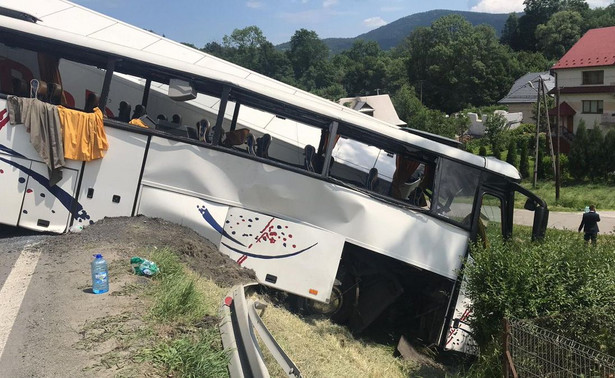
x,y
598,3
498,6
329,3
254,4
374,22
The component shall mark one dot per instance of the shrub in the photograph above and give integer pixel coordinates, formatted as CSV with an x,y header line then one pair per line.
x,y
511,156
578,153
524,163
482,151
561,283
595,153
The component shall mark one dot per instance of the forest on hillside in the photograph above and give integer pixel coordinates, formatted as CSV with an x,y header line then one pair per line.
x,y
448,67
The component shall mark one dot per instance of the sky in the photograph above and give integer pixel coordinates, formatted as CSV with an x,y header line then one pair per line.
x,y
202,21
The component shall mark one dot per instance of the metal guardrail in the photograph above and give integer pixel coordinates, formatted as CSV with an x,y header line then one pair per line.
x,y
239,321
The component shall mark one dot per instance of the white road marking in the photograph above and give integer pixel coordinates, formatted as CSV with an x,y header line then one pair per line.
x,y
13,292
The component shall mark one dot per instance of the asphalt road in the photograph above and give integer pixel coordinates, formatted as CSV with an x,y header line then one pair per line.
x,y
568,221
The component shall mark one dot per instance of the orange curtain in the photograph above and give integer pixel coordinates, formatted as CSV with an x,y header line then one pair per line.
x,y
49,68
324,140
404,168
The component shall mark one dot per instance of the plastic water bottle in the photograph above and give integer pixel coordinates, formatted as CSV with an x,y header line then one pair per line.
x,y
100,275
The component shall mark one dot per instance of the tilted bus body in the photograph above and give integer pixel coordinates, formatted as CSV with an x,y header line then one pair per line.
x,y
332,231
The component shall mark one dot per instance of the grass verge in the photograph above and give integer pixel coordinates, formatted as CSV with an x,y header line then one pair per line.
x,y
323,349
573,197
173,331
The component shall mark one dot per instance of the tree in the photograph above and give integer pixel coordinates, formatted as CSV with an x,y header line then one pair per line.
x,y
525,61
559,34
366,68
495,125
609,153
600,17
578,152
215,49
243,46
455,65
511,156
306,50
541,163
249,48
594,153
510,32
417,116
524,163
538,12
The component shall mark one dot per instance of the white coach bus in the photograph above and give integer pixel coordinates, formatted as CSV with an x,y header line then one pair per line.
x,y
263,183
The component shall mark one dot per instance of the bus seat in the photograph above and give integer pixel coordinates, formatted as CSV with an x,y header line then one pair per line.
x,y
409,187
124,112
91,102
251,142
308,162
235,137
373,182
262,146
176,118
54,93
192,133
20,87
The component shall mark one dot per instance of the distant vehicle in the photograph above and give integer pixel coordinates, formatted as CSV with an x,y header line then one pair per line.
x,y
357,216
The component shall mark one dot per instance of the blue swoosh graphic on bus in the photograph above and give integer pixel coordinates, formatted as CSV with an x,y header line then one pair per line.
x,y
10,151
268,257
215,225
64,197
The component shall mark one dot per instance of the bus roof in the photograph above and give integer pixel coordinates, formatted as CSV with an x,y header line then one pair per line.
x,y
73,25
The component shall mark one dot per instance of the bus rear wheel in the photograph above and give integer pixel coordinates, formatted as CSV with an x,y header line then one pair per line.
x,y
342,302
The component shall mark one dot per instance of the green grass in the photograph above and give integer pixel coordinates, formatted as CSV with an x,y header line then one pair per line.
x,y
198,355
181,302
573,197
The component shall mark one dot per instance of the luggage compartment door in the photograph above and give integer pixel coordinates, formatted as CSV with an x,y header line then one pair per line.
x,y
287,255
13,187
48,208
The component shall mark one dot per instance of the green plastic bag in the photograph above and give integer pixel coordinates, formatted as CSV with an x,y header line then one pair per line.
x,y
143,267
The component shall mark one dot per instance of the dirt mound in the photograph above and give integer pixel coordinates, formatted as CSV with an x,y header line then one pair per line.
x,y
128,236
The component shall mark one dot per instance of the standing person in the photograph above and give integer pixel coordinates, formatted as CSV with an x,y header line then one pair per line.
x,y
590,221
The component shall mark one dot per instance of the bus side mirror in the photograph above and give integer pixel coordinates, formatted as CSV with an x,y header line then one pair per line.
x,y
541,218
530,204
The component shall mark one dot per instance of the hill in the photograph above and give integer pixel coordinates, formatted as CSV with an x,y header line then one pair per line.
x,y
390,35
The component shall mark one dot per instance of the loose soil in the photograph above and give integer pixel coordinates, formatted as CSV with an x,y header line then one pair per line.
x,y
127,236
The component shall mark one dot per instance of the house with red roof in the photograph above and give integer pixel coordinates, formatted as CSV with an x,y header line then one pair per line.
x,y
585,83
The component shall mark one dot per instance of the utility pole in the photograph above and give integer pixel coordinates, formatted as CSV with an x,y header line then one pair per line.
x,y
549,135
557,162
537,137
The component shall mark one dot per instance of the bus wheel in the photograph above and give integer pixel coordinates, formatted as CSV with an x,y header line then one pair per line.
x,y
344,296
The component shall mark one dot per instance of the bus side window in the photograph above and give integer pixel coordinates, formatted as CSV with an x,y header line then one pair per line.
x,y
489,220
456,188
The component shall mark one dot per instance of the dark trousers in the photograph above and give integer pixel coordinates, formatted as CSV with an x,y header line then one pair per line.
x,y
590,235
